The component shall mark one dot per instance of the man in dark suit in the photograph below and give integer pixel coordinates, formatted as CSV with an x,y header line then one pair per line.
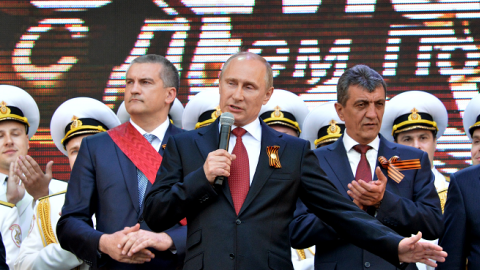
x,y
407,204
113,171
462,221
244,223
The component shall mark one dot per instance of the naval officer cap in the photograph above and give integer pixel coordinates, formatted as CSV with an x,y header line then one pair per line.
x,y
414,110
17,105
202,109
471,116
322,125
175,113
80,116
284,108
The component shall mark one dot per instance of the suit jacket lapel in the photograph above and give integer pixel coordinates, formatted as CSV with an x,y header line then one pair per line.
x,y
388,150
263,171
207,142
129,176
340,166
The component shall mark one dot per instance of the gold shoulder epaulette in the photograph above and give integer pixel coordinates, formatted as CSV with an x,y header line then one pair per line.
x,y
51,195
442,194
447,178
11,205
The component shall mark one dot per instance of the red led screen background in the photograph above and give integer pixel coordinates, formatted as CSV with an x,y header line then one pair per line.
x,y
58,50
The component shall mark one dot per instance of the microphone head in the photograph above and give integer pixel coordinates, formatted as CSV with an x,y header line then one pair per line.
x,y
227,119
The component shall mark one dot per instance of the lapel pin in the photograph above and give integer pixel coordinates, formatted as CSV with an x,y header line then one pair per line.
x,y
273,158
164,145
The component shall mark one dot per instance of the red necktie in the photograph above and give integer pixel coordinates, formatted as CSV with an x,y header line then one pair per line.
x,y
363,169
239,179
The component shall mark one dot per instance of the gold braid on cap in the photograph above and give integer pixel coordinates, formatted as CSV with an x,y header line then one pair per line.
x,y
77,128
414,118
333,133
6,114
278,118
215,114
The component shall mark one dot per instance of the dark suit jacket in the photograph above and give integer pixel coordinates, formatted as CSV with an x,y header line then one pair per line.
x,y
3,257
408,207
258,237
461,239
104,182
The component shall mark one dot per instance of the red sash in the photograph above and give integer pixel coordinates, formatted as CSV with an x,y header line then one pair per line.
x,y
137,149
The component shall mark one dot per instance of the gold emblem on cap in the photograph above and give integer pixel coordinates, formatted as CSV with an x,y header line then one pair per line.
x,y
277,113
414,116
4,109
217,112
333,129
75,123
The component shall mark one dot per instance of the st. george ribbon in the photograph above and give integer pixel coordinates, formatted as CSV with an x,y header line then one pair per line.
x,y
226,122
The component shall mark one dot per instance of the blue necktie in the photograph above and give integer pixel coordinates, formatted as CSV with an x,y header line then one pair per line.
x,y
142,179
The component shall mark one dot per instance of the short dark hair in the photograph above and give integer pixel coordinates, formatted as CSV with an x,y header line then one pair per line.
x,y
360,75
168,74
268,68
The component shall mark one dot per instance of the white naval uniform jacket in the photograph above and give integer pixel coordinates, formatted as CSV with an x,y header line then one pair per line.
x,y
11,233
33,253
25,206
304,264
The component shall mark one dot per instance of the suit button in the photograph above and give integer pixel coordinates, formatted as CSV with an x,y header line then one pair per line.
x,y
140,219
232,256
367,264
238,221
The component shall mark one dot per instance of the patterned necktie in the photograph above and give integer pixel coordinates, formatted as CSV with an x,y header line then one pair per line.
x,y
239,179
363,169
142,179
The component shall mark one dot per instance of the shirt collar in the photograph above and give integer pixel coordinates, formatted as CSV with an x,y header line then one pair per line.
x,y
254,129
349,143
159,132
3,177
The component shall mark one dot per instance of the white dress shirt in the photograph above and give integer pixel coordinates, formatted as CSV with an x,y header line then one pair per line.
x,y
354,156
159,132
252,141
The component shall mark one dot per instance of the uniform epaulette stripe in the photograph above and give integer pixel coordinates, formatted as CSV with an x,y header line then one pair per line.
x,y
55,194
11,205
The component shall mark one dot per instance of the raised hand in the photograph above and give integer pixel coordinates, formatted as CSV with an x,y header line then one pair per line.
x,y
410,250
36,182
368,194
15,190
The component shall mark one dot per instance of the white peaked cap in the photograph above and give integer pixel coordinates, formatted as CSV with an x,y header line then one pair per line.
x,y
17,97
471,115
287,102
203,101
404,103
321,116
81,108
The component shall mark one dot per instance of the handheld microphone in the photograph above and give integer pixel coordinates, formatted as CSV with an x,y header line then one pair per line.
x,y
226,122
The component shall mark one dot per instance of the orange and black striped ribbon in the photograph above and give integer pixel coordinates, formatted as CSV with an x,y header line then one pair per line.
x,y
273,158
394,166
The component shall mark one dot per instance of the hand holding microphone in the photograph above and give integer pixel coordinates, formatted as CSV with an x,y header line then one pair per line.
x,y
217,165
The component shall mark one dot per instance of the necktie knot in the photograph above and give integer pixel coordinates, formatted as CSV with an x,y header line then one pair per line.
x,y
362,149
149,137
239,132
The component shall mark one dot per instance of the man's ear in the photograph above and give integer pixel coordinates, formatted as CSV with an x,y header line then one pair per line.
x,y
171,95
340,110
268,95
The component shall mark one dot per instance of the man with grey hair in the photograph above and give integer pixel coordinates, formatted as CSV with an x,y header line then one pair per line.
x,y
114,170
243,224
365,167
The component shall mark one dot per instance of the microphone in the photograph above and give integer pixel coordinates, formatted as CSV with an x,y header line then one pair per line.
x,y
226,122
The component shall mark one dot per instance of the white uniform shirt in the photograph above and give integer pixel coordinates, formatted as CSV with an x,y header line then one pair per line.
x,y
252,141
304,264
354,156
11,234
33,255
25,206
